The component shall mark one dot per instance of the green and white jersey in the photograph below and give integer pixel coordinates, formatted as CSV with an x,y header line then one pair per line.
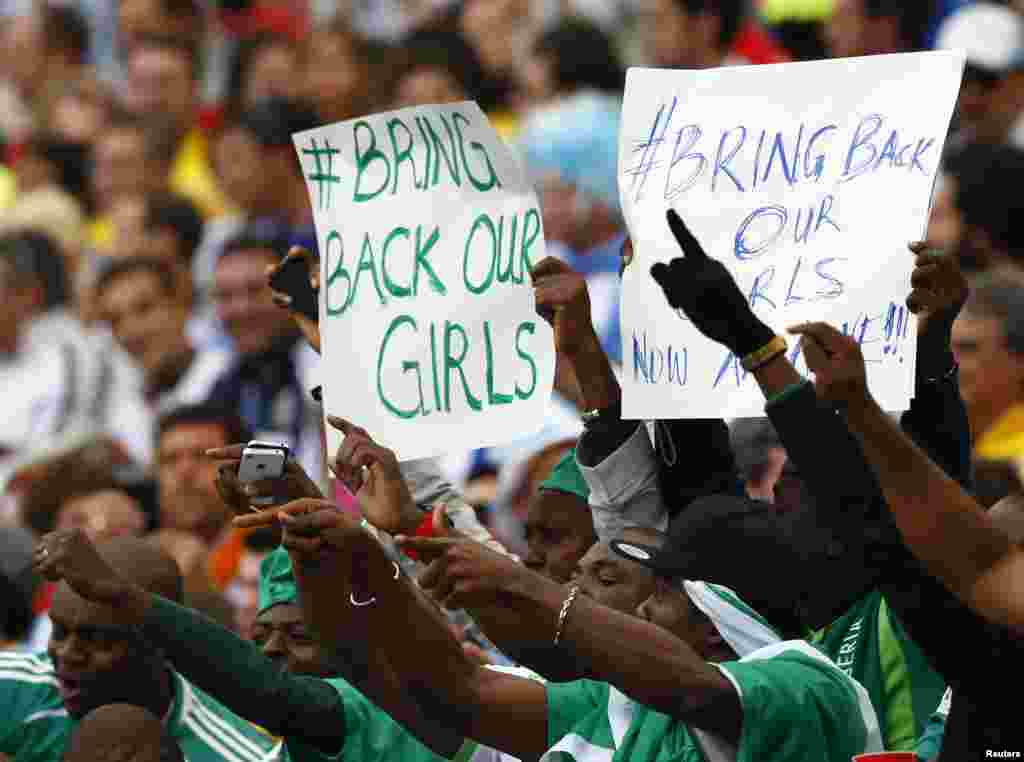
x,y
35,726
797,707
869,644
371,735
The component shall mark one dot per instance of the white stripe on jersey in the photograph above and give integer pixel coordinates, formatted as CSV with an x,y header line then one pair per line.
x,y
26,662
197,717
188,720
46,713
228,730
211,741
22,676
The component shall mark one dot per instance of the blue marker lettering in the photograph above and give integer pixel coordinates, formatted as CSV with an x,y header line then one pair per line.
x,y
723,165
680,153
866,130
745,251
922,146
819,160
761,284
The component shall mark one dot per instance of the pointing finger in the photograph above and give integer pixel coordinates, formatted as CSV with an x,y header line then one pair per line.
x,y
686,240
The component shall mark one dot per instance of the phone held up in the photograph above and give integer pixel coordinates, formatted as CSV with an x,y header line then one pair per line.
x,y
293,279
262,461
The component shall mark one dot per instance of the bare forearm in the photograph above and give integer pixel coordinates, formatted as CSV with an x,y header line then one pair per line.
x,y
776,376
597,383
325,590
399,608
646,662
941,523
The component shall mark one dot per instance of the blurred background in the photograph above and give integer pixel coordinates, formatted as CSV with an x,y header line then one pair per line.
x,y
148,178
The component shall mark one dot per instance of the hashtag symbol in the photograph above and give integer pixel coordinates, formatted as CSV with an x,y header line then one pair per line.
x,y
323,175
648,150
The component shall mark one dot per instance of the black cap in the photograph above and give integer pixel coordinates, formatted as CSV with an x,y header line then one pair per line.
x,y
796,572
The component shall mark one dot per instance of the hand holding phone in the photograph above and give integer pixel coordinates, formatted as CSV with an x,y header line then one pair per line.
x,y
292,278
261,461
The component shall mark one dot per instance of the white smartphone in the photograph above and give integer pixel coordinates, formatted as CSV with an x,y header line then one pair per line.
x,y
261,461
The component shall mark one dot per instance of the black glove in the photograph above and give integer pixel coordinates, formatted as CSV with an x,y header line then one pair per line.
x,y
705,291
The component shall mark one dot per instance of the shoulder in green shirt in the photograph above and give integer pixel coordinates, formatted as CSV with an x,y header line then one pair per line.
x,y
869,644
796,705
35,727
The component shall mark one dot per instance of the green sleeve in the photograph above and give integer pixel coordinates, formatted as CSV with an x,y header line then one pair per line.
x,y
27,686
372,734
238,675
796,707
578,707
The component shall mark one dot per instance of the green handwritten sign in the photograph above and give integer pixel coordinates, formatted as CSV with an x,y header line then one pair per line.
x,y
427,231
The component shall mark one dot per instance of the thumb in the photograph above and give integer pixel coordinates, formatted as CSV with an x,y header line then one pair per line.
x,y
662,275
345,427
691,246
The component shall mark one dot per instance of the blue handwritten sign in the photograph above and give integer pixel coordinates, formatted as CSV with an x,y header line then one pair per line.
x,y
807,181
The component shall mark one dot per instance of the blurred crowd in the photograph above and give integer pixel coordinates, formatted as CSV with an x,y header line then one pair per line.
x,y
148,184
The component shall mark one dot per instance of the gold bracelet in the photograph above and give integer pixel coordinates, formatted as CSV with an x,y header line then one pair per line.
x,y
566,605
768,352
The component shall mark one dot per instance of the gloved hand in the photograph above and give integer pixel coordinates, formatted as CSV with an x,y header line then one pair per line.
x,y
708,295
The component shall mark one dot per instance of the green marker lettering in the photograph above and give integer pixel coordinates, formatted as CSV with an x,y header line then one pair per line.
x,y
393,288
433,365
492,179
493,397
509,273
482,220
402,155
366,263
422,252
455,363
339,271
529,328
406,367
363,162
529,236
452,162
426,142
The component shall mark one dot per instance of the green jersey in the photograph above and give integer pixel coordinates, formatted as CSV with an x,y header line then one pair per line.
x,y
797,707
869,644
35,726
371,734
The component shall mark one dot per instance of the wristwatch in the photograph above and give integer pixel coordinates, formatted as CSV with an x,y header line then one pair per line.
x,y
592,417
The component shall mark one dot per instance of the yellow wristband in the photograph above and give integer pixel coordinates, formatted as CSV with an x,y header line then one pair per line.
x,y
769,351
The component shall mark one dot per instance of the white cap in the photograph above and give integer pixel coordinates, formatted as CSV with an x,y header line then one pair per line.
x,y
991,35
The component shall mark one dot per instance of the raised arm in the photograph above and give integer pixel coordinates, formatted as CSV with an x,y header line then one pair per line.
x,y
499,710
944,527
325,591
232,670
644,661
616,457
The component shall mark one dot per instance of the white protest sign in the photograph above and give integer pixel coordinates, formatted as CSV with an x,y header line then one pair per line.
x,y
807,180
427,231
